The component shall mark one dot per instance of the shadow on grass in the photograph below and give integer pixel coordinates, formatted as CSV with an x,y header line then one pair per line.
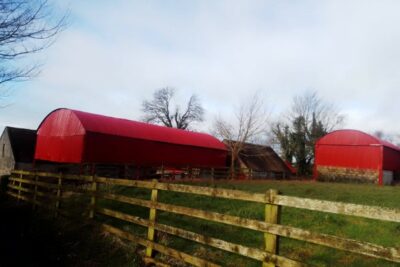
x,y
30,238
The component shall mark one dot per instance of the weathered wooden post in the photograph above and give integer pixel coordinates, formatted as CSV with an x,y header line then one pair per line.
x,y
58,198
93,197
13,174
190,172
162,172
271,216
212,175
19,186
35,189
152,219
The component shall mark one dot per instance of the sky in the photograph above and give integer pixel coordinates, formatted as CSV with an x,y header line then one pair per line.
x,y
114,54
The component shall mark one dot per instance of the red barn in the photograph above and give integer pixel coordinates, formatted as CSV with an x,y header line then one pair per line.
x,y
71,136
351,154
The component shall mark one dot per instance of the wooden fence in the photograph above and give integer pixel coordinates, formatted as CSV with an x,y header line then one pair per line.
x,y
51,190
161,172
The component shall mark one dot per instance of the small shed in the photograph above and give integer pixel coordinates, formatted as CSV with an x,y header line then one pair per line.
x,y
71,136
354,155
258,161
17,149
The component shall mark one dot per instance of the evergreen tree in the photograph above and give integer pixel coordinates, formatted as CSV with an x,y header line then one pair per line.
x,y
309,120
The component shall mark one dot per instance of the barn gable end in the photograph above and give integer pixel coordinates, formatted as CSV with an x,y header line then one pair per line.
x,y
16,149
355,155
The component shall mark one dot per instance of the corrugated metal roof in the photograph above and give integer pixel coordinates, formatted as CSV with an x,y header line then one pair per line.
x,y
260,158
353,137
90,122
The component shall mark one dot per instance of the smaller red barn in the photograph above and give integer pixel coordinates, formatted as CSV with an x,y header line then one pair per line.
x,y
355,155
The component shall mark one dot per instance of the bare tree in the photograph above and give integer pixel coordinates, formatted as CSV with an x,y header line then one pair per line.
x,y
312,107
309,118
250,123
159,110
25,28
379,134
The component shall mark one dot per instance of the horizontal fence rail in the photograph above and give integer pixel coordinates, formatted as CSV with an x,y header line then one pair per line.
x,y
370,212
50,190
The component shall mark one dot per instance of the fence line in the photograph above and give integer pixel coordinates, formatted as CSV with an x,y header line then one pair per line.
x,y
31,183
253,253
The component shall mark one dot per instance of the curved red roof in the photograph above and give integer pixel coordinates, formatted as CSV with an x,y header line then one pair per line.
x,y
353,137
89,122
67,135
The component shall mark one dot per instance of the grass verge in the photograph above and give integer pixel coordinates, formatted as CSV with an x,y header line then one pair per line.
x,y
382,233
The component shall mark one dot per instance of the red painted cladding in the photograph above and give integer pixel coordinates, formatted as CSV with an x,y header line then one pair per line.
x,y
145,152
391,159
79,137
359,157
60,138
358,150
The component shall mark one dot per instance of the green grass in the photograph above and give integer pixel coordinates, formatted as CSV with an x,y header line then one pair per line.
x,y
378,232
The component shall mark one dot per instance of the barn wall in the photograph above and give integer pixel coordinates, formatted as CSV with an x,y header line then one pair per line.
x,y
7,162
101,148
358,157
348,163
330,173
391,159
59,148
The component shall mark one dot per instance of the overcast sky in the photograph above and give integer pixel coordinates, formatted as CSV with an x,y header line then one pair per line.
x,y
114,54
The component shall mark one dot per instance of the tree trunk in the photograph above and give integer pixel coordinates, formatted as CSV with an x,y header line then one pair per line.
x,y
232,168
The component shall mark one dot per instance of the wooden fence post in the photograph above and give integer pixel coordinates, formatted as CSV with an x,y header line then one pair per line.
x,y
162,172
13,182
271,216
58,199
20,185
93,198
36,178
152,219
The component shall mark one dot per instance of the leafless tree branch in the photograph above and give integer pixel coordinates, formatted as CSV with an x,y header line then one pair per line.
x,y
250,123
25,28
158,110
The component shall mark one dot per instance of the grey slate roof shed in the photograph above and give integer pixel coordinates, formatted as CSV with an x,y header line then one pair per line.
x,y
262,160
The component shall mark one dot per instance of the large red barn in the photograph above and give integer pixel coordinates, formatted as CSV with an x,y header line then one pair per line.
x,y
71,136
352,154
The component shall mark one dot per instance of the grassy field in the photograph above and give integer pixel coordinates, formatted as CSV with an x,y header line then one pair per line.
x,y
383,233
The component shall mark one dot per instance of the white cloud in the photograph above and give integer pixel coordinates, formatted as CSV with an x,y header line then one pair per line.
x,y
114,54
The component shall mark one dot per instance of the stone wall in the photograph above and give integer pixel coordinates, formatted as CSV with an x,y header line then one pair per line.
x,y
329,173
6,155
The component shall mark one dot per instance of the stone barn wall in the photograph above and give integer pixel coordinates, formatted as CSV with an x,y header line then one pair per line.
x,y
328,173
7,161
